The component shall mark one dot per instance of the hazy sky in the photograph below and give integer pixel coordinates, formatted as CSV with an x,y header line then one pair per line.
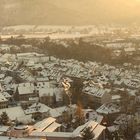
x,y
69,11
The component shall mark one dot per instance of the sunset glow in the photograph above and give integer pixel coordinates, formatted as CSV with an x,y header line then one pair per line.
x,y
69,69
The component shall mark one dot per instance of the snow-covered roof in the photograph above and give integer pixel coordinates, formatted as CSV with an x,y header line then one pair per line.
x,y
52,127
37,107
123,119
14,112
93,115
7,79
95,91
2,98
26,88
6,94
56,112
108,108
44,124
113,128
96,128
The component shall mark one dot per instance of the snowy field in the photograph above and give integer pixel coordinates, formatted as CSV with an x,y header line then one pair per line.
x,y
52,36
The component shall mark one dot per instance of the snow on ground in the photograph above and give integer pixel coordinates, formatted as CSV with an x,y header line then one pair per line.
x,y
16,113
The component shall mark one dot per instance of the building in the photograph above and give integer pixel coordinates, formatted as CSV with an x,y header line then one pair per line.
x,y
17,113
25,91
20,131
38,111
47,125
3,101
96,96
98,130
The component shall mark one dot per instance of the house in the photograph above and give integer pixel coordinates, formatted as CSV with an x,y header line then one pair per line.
x,y
110,111
64,112
26,91
98,130
47,125
96,95
3,101
124,120
38,111
90,114
109,108
7,96
47,95
50,96
17,113
47,92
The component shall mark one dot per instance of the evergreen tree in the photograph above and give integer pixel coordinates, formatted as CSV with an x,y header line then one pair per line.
x,y
4,118
88,134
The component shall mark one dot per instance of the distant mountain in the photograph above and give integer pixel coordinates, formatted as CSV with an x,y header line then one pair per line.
x,y
36,12
63,12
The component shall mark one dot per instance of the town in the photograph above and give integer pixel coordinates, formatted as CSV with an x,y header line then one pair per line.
x,y
69,83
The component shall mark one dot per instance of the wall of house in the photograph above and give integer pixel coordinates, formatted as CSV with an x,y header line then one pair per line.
x,y
106,98
3,105
25,97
